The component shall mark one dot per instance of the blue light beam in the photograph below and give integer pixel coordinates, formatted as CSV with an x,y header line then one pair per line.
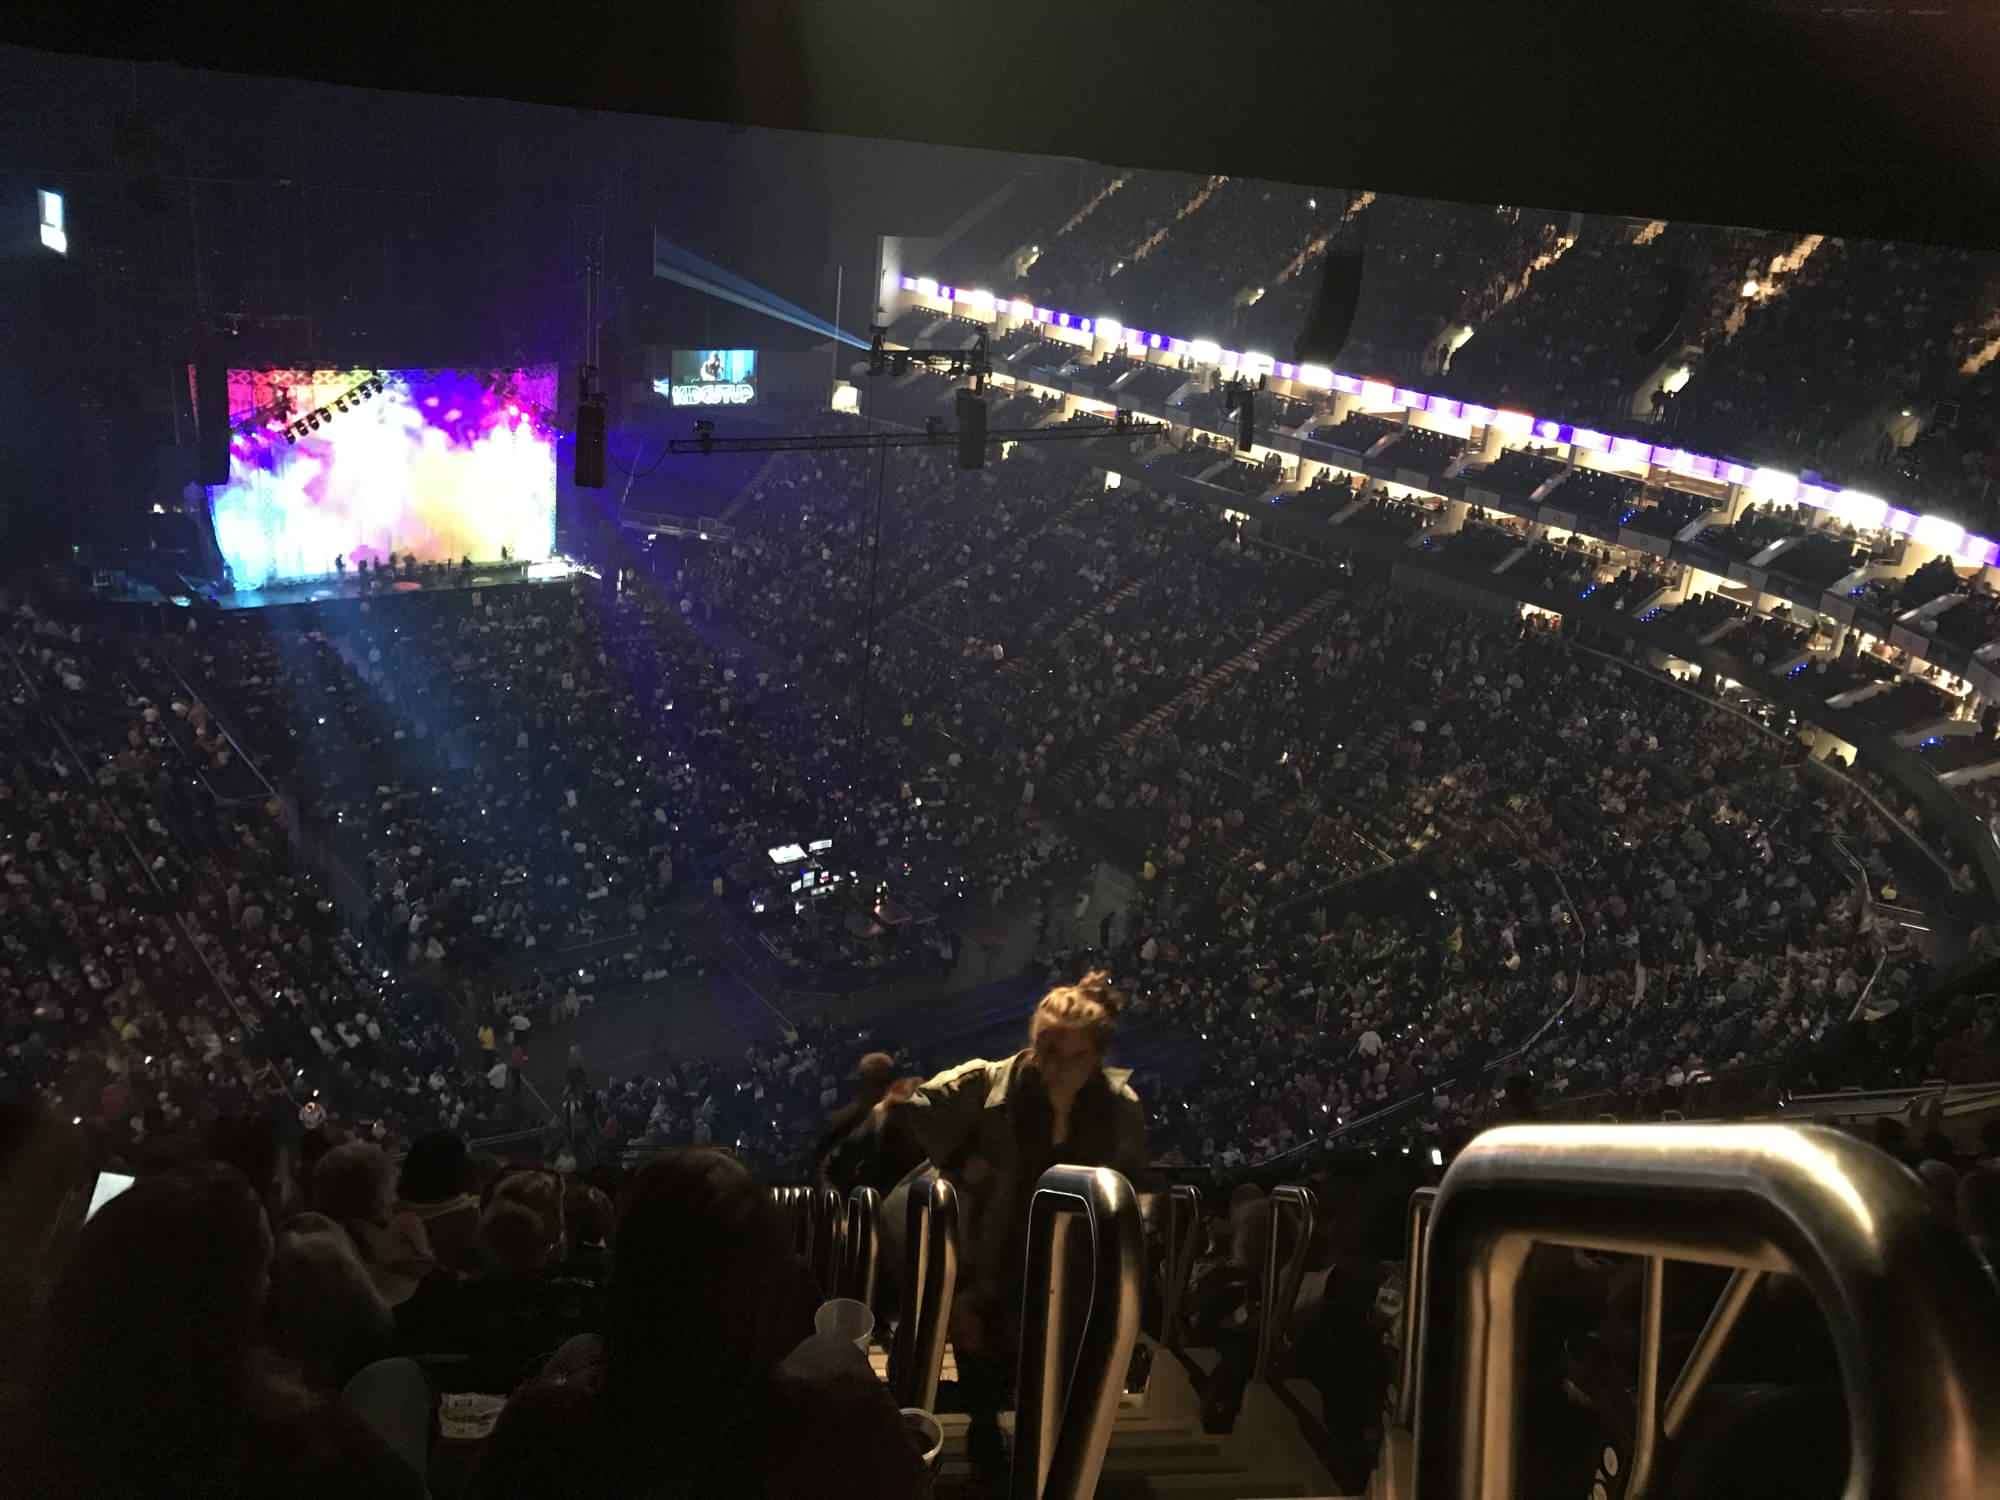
x,y
671,263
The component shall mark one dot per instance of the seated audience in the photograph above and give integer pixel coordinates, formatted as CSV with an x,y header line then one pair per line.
x,y
150,1380
354,1186
707,1379
324,1310
434,1188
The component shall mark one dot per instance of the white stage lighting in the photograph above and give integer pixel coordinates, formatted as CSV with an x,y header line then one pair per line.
x,y
54,235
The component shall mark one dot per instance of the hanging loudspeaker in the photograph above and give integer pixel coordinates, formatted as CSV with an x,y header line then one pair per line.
x,y
971,430
590,443
211,420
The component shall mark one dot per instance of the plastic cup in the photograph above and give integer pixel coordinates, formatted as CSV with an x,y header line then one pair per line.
x,y
848,1319
925,1435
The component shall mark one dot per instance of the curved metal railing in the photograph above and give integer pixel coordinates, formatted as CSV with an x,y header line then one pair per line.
x,y
819,1220
858,1261
794,1203
827,1253
1422,1202
1281,1285
1916,1336
1392,1479
1183,1238
930,1277
1064,1410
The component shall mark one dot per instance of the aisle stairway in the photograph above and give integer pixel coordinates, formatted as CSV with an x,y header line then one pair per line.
x,y
1215,676
1015,665
741,982
1070,776
899,610
1158,1447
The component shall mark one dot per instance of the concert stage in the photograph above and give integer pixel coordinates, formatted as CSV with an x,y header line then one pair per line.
x,y
118,587
121,600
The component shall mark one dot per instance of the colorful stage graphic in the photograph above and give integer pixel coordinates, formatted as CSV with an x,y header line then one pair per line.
x,y
356,464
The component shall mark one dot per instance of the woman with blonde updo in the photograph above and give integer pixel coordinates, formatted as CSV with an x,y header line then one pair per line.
x,y
992,1129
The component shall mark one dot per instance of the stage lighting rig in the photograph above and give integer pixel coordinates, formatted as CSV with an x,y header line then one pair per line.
x,y
279,410
1124,424
971,436
971,361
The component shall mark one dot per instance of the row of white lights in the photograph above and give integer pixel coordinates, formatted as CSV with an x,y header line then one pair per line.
x,y
1774,486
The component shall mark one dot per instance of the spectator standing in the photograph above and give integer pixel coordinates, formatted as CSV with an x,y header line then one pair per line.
x,y
993,1128
874,1072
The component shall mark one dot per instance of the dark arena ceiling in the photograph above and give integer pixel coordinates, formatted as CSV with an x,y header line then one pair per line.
x,y
1877,119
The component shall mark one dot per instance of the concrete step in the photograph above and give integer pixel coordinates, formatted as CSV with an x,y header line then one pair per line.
x,y
1158,1448
1137,1432
1215,1487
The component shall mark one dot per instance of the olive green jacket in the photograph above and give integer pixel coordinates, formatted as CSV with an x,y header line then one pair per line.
x,y
966,1115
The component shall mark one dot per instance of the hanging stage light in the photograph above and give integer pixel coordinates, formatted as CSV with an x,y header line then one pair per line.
x,y
278,415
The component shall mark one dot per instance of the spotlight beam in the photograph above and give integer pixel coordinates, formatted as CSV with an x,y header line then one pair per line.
x,y
669,264
680,264
812,325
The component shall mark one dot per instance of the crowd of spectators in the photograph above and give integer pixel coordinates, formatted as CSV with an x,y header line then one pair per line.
x,y
1077,263
511,776
1037,619
1563,862
336,867
1953,464
1860,326
168,957
1868,361
1221,257
335,1325
1428,267
1380,512
1391,864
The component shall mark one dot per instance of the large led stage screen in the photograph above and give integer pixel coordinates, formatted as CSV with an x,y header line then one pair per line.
x,y
356,464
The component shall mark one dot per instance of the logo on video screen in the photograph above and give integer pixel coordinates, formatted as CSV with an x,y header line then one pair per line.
x,y
711,377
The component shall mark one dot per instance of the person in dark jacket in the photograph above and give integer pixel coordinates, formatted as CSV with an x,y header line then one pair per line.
x,y
708,1379
875,1072
436,1187
880,1151
993,1128
1225,1306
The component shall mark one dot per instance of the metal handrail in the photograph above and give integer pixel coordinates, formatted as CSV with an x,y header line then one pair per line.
x,y
1184,1225
930,1278
1868,989
1916,1335
829,1237
1064,1410
1281,1292
1422,1202
793,1203
858,1264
